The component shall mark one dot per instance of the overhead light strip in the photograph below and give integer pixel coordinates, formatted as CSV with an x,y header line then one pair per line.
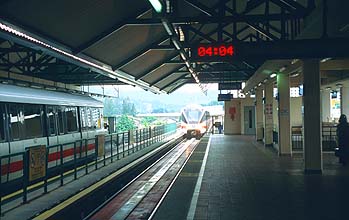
x,y
110,73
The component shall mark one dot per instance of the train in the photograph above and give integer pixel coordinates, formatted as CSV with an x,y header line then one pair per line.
x,y
31,117
195,121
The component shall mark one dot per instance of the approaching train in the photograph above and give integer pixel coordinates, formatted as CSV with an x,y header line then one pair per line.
x,y
32,117
195,121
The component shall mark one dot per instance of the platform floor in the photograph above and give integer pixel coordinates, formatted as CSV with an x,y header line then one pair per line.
x,y
243,180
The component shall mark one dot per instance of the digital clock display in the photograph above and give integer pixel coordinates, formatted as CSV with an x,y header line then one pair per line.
x,y
215,51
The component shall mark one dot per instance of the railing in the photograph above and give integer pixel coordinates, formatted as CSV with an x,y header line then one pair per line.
x,y
328,137
71,160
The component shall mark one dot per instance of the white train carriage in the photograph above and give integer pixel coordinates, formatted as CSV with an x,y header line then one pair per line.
x,y
195,121
32,117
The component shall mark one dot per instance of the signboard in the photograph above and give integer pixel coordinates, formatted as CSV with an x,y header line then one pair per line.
x,y
225,97
100,141
229,86
37,162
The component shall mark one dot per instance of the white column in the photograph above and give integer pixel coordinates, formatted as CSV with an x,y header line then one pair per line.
x,y
326,105
345,101
283,84
268,113
312,143
259,114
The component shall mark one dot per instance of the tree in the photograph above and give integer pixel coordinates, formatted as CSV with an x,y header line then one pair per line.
x,y
125,123
128,107
146,121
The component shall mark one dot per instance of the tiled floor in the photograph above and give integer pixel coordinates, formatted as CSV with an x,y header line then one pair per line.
x,y
244,180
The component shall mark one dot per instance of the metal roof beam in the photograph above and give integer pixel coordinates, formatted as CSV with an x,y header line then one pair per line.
x,y
176,87
240,18
205,36
201,7
107,33
139,53
173,81
166,75
156,66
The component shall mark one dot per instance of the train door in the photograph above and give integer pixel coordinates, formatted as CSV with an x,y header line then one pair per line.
x,y
52,127
249,120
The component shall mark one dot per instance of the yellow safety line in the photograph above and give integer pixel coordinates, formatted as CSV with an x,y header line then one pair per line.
x,y
42,182
91,188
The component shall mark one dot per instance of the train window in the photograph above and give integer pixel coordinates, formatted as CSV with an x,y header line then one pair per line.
x,y
83,118
61,118
2,122
95,117
89,117
15,121
32,121
51,112
71,119
183,118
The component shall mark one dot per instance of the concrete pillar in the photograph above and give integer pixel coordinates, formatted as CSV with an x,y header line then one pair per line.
x,y
312,143
259,114
268,113
345,101
326,105
283,84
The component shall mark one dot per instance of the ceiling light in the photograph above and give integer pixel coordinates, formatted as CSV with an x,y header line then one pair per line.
x,y
294,61
325,59
282,69
156,5
272,75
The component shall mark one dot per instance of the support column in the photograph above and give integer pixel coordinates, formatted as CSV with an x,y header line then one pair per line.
x,y
312,143
283,84
345,101
326,105
259,114
268,113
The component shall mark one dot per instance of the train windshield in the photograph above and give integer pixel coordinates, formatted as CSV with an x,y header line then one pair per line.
x,y
193,115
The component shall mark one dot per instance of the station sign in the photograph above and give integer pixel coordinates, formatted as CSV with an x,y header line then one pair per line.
x,y
229,86
225,97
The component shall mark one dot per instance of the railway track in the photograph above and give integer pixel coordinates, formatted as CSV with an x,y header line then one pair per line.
x,y
141,197
134,193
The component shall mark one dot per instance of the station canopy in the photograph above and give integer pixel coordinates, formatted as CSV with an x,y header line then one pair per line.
x,y
89,42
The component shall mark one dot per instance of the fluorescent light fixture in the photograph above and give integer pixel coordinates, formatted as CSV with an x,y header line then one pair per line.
x,y
282,69
176,44
156,5
339,85
294,61
272,75
294,74
183,56
167,27
259,84
324,60
328,88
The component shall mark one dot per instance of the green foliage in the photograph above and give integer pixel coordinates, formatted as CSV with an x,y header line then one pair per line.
x,y
117,106
125,123
147,121
128,108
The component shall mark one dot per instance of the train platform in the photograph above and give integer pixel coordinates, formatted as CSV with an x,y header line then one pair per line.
x,y
241,179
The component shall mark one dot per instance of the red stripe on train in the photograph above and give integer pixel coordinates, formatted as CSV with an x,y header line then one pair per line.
x,y
18,165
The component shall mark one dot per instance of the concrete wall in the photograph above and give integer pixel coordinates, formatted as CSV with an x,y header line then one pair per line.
x,y
234,123
296,111
232,116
